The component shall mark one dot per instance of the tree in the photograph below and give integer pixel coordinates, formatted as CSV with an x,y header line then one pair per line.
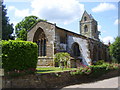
x,y
115,49
22,27
7,28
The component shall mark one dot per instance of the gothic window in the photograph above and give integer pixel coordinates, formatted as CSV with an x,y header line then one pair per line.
x,y
85,18
44,54
85,28
40,39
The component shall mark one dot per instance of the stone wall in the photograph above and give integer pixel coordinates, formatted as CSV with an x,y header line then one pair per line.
x,y
98,51
50,80
83,45
49,31
45,61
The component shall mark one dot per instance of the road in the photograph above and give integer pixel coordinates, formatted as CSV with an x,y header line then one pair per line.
x,y
106,83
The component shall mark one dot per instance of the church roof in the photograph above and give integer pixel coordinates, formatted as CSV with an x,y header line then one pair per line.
x,y
62,29
91,16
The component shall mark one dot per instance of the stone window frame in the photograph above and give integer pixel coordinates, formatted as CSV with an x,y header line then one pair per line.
x,y
85,18
85,28
41,41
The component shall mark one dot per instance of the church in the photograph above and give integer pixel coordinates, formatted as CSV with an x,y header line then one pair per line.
x,y
85,48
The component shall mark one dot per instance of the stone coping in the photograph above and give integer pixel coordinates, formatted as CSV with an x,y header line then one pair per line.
x,y
45,57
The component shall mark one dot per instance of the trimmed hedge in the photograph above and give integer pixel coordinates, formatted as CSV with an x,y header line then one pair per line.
x,y
19,55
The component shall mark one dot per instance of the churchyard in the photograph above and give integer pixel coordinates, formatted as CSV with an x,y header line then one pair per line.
x,y
23,67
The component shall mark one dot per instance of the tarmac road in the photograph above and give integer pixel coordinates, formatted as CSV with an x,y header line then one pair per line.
x,y
106,83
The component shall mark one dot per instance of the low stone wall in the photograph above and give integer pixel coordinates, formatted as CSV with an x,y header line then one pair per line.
x,y
45,61
50,80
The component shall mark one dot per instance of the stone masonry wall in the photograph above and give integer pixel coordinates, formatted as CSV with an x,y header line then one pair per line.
x,y
83,45
50,80
49,30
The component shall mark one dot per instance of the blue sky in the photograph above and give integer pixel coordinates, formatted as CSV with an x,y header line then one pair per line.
x,y
67,14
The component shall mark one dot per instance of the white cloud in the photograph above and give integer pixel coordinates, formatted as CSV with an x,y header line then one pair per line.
x,y
22,13
11,8
64,11
104,7
107,39
17,12
117,22
99,27
59,11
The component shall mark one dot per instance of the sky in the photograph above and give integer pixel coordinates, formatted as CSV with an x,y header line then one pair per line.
x,y
67,14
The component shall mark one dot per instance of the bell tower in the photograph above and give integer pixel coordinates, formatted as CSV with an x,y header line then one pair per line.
x,y
88,26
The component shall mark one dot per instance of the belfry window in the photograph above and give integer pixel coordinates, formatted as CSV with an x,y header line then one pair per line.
x,y
95,28
85,28
85,18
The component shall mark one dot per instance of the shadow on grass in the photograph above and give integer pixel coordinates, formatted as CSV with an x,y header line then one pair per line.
x,y
44,71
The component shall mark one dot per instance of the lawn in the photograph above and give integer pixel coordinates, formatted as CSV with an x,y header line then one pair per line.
x,y
52,69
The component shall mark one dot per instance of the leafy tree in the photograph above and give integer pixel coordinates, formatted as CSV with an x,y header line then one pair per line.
x,y
22,27
7,28
115,49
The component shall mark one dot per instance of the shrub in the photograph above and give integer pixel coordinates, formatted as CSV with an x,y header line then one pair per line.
x,y
62,58
96,70
19,55
82,71
100,62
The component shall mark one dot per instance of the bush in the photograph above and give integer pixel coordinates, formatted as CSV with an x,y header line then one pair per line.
x,y
96,70
62,59
82,71
100,62
19,55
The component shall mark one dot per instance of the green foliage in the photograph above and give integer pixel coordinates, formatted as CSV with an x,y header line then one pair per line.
x,y
115,49
99,62
7,28
82,71
22,27
62,58
19,55
95,70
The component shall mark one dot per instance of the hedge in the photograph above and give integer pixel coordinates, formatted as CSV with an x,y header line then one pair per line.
x,y
19,55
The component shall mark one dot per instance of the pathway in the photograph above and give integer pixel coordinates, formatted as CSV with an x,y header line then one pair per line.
x,y
106,83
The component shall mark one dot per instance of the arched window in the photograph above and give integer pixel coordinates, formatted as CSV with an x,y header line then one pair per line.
x,y
76,50
85,18
85,28
40,39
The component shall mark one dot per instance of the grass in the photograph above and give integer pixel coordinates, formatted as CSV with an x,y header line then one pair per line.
x,y
52,69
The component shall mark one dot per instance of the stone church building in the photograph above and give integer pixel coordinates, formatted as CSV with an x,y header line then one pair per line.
x,y
84,48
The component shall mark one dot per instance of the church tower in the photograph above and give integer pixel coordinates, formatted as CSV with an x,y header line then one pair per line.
x,y
88,26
